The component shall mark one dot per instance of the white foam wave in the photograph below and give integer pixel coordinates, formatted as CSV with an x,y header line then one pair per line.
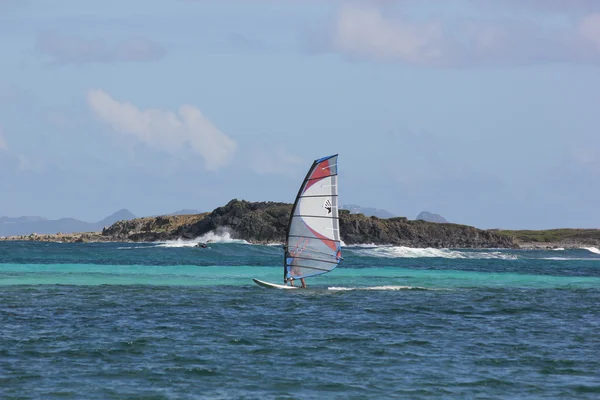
x,y
388,287
410,252
179,243
218,236
592,249
559,249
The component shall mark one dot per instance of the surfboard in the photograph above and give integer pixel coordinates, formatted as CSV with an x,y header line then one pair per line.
x,y
272,285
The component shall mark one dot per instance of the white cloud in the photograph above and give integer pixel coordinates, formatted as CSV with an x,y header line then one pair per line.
x,y
166,130
363,30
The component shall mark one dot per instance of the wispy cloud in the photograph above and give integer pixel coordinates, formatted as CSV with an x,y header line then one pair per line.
x,y
166,130
66,49
589,29
560,6
363,30
3,145
29,164
274,161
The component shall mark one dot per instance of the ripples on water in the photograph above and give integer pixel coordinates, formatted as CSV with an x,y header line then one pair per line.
x,y
227,338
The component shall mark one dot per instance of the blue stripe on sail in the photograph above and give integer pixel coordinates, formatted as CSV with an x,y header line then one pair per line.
x,y
306,276
290,266
316,273
325,158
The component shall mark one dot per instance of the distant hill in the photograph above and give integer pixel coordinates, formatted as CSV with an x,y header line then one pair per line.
x,y
368,211
27,225
431,217
186,212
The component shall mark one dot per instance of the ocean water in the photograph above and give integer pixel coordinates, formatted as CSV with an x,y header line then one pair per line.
x,y
169,321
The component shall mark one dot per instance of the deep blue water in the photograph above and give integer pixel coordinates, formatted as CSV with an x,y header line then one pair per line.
x,y
102,321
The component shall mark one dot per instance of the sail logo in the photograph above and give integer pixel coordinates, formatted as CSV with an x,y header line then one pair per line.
x,y
327,206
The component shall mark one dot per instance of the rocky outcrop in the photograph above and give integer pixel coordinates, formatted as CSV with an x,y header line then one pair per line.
x,y
554,238
266,222
257,222
358,229
151,229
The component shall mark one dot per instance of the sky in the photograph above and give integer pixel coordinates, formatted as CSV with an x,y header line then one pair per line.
x,y
484,111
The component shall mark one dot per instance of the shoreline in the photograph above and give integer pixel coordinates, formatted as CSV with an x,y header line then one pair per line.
x,y
555,246
97,237
83,237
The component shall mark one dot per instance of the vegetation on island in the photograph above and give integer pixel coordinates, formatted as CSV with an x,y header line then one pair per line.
x,y
555,237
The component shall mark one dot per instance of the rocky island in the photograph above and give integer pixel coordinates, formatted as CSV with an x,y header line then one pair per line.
x,y
266,222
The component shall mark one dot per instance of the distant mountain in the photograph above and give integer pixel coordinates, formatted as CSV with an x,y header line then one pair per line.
x,y
121,215
368,211
431,217
185,212
28,225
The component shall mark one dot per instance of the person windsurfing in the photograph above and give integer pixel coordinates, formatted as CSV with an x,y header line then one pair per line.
x,y
290,272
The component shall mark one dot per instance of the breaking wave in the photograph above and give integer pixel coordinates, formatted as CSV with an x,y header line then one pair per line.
x,y
219,236
410,252
387,287
591,249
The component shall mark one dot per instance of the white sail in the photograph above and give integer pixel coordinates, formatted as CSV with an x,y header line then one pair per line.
x,y
313,237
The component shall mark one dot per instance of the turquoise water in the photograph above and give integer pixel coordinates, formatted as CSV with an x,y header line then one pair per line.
x,y
170,321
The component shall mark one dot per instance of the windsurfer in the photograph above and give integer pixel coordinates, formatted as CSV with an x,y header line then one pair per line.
x,y
294,271
291,281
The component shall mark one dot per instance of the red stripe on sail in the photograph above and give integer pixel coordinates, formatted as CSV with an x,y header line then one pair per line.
x,y
329,242
321,171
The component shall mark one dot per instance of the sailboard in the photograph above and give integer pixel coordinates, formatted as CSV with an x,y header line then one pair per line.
x,y
313,244
272,285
